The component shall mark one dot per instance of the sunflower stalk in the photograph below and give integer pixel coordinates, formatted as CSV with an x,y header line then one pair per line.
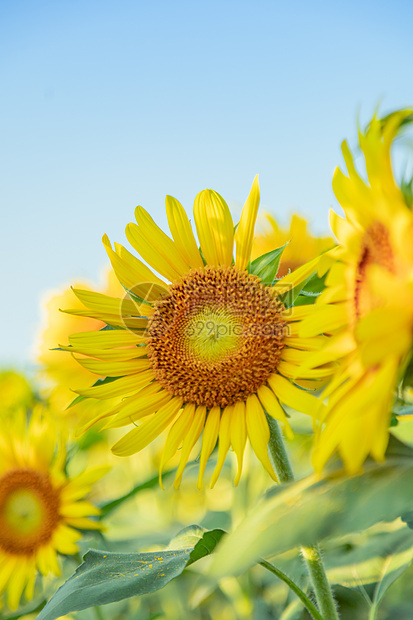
x,y
312,556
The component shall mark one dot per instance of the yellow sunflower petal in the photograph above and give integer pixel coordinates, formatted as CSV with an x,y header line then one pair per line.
x,y
244,235
273,408
189,442
46,560
161,243
296,277
176,435
84,523
111,305
238,435
17,584
132,273
224,442
147,401
259,432
121,387
115,320
214,227
142,244
293,396
182,234
209,440
114,369
325,320
65,538
31,579
78,509
138,438
111,355
8,565
106,339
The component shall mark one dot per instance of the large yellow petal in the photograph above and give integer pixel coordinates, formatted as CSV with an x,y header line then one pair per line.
x,y
293,396
121,387
106,339
65,538
244,235
110,305
224,442
215,227
259,432
238,435
115,320
209,440
114,369
140,437
160,241
176,436
142,244
17,584
78,509
134,408
111,355
273,408
324,320
132,273
189,442
182,234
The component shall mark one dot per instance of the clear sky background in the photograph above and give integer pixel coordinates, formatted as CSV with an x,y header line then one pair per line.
x,y
105,105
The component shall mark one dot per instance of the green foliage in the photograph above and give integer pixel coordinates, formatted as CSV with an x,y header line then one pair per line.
x,y
266,266
312,289
105,577
317,508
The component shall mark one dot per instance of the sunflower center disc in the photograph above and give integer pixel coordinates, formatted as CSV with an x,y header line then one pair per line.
x,y
216,336
29,510
375,250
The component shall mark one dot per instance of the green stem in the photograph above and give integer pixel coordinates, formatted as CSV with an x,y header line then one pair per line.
x,y
311,555
311,608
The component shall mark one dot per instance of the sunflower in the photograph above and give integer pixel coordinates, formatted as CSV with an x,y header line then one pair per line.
x,y
367,304
302,245
41,509
208,352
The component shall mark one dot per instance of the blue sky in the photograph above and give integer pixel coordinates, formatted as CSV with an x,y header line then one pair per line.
x,y
106,105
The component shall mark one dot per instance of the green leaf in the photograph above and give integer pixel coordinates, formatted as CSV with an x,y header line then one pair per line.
x,y
266,266
106,577
206,545
314,509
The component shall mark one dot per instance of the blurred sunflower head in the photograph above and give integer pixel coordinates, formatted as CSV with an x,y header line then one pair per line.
x,y
302,246
367,303
207,352
41,508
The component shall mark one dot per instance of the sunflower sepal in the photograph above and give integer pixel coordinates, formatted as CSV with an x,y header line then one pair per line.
x,y
266,266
